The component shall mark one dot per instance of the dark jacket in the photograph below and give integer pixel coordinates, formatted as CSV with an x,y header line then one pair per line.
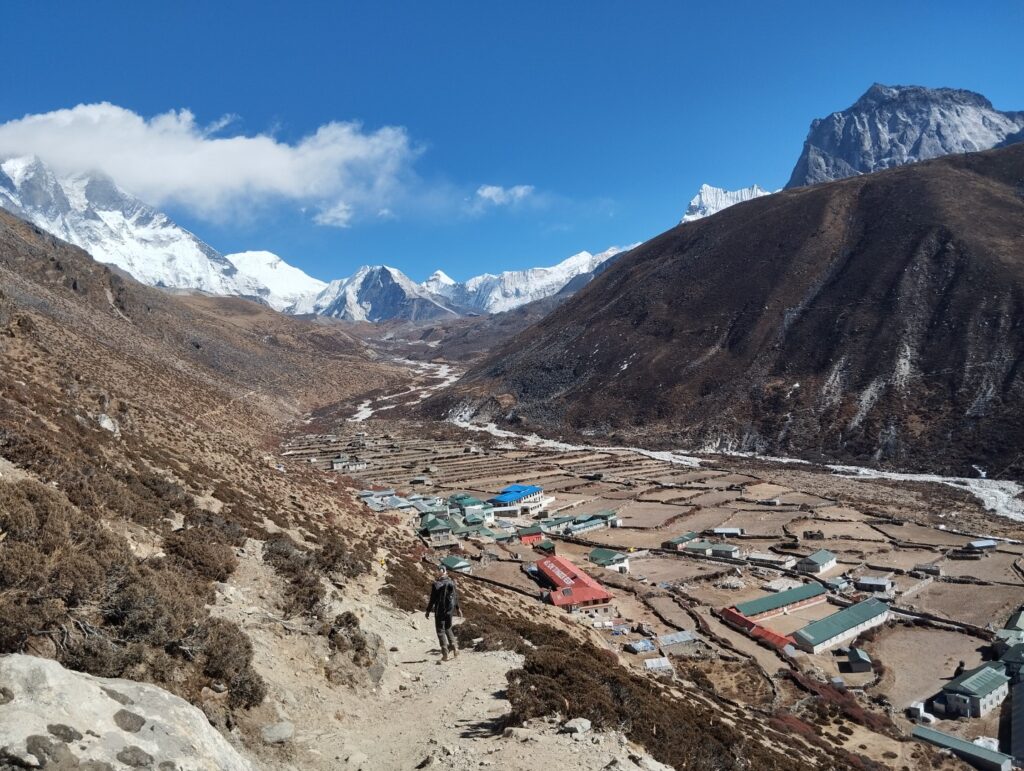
x,y
444,599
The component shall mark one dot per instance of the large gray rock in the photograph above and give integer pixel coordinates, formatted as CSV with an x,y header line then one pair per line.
x,y
277,732
53,717
578,725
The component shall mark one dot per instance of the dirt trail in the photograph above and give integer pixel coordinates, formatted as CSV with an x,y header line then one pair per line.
x,y
419,709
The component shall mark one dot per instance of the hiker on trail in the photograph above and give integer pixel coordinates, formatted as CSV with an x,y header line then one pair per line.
x,y
444,602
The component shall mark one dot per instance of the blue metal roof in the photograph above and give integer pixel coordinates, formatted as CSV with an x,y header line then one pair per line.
x,y
514,493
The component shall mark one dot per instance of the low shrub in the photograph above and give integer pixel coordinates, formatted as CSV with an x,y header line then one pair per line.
x,y
202,550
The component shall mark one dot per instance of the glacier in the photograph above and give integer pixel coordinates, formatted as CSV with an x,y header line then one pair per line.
x,y
710,200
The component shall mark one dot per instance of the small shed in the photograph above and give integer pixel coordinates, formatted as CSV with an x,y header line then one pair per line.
x,y
982,544
457,564
725,550
698,547
677,543
817,562
610,559
531,535
659,664
858,660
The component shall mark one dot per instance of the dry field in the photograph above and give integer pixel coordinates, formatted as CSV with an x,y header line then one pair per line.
x,y
978,605
910,676
994,566
649,515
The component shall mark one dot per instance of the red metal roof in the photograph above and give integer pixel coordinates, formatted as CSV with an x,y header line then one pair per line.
x,y
571,586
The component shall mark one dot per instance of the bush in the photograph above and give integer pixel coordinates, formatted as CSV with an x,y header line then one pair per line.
x,y
342,553
201,549
226,649
304,591
246,689
155,607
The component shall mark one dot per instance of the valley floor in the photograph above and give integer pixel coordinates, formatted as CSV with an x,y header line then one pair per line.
x,y
877,525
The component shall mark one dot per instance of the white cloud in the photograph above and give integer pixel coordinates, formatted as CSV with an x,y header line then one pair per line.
x,y
341,170
337,216
496,195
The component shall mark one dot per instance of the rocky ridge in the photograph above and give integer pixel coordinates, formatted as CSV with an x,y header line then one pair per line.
x,y
894,125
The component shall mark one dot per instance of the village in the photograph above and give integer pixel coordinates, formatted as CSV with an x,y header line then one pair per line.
x,y
755,590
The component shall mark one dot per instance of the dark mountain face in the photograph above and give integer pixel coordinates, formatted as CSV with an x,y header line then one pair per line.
x,y
875,319
895,125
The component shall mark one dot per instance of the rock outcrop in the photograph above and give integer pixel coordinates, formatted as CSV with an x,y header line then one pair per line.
x,y
896,125
52,717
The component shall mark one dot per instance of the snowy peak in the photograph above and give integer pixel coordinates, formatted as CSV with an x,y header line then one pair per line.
x,y
710,200
375,293
894,125
439,283
494,293
90,210
286,285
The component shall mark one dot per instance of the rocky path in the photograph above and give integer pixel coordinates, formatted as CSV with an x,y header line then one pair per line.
x,y
406,711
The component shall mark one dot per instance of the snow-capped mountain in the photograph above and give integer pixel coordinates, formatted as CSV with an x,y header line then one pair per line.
x,y
893,125
490,293
286,284
710,200
375,293
89,210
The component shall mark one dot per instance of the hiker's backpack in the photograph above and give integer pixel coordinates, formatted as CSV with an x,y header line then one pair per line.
x,y
448,597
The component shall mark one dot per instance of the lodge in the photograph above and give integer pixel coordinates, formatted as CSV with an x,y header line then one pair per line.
x,y
841,626
572,589
782,602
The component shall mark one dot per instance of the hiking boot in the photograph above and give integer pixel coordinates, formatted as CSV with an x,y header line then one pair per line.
x,y
455,653
444,656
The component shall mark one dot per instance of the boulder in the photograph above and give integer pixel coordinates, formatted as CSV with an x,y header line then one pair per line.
x,y
276,733
64,719
579,725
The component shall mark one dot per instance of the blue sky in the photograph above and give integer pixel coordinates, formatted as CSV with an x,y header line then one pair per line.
x,y
611,113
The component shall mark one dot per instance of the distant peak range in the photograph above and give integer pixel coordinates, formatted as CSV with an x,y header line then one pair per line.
x,y
887,126
494,293
89,210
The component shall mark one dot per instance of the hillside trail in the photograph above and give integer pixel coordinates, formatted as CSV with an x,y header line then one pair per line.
x,y
422,711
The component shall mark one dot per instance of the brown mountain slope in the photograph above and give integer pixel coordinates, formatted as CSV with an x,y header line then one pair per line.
x,y
875,319
135,431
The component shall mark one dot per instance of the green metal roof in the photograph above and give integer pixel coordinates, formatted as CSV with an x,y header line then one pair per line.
x,y
1014,655
605,556
725,547
454,563
533,530
859,654
780,599
820,557
978,682
437,524
546,546
683,538
818,632
464,499
961,747
699,545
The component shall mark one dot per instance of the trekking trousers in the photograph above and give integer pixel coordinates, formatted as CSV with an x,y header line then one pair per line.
x,y
445,634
